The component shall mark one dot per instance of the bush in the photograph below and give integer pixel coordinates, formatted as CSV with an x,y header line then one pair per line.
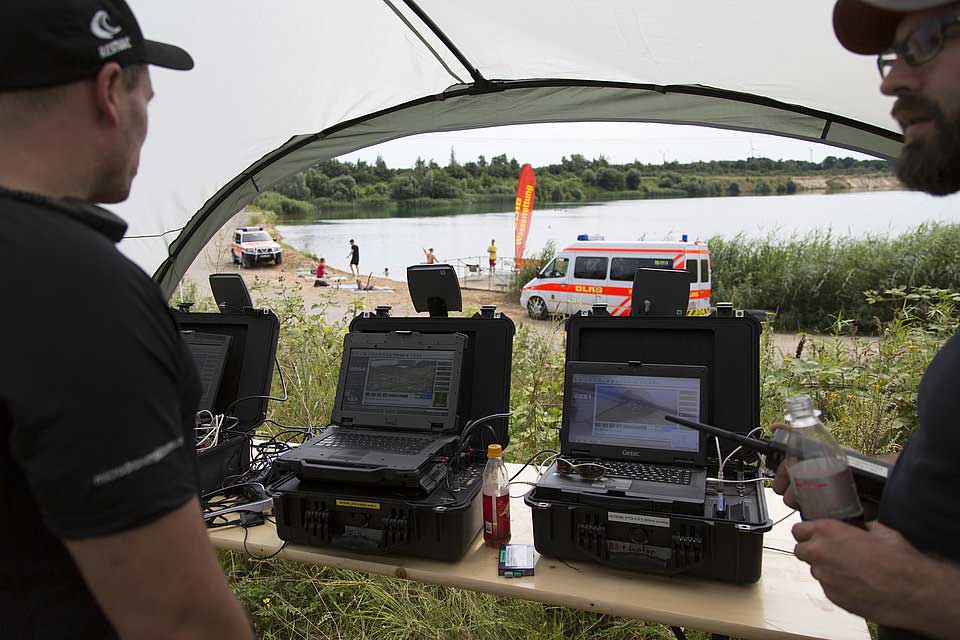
x,y
810,279
668,181
404,188
531,267
761,188
343,188
633,179
280,204
733,189
611,179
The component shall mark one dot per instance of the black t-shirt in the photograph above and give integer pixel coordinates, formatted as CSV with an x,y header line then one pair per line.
x,y
97,400
920,499
356,254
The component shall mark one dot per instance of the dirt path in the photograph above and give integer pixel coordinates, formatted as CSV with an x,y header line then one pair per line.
x,y
331,302
335,304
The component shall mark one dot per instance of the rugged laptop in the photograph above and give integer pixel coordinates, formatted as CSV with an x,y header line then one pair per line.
x,y
396,410
613,416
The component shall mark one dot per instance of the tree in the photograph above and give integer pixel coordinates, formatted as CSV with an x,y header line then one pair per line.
x,y
444,187
404,188
733,189
589,177
318,183
791,187
633,179
343,188
611,179
294,187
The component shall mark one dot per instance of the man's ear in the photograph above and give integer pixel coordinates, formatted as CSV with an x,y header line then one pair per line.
x,y
109,87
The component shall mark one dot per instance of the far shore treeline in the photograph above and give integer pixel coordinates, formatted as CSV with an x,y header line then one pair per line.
x,y
338,189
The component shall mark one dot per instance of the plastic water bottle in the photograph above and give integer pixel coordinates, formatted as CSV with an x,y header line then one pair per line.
x,y
496,498
819,472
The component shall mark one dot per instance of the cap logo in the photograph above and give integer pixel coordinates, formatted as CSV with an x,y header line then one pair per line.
x,y
100,26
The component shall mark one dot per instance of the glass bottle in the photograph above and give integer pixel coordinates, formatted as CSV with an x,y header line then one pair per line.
x,y
496,498
819,472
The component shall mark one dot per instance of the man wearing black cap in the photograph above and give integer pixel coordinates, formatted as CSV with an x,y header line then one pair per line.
x,y
101,529
903,572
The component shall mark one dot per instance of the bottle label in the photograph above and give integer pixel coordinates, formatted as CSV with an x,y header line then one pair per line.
x,y
496,516
824,489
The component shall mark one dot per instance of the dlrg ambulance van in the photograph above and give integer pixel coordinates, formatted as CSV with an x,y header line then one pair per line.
x,y
591,272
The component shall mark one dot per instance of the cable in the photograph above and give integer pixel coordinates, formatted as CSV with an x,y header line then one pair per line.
x,y
532,458
283,385
783,518
731,454
246,531
761,479
789,553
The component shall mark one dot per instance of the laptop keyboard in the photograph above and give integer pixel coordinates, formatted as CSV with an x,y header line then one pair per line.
x,y
390,444
647,472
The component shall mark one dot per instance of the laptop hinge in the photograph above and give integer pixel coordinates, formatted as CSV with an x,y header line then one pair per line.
x,y
580,453
687,462
437,426
346,422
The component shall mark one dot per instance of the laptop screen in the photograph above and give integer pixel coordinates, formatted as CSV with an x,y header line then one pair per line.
x,y
624,410
209,352
399,381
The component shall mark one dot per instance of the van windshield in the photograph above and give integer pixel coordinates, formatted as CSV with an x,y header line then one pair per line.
x,y
556,268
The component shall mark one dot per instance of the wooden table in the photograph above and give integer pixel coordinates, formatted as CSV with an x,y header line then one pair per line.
x,y
786,602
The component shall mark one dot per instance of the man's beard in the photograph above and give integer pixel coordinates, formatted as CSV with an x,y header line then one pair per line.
x,y
931,164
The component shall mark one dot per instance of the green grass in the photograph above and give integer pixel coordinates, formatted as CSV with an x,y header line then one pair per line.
x,y
866,388
814,279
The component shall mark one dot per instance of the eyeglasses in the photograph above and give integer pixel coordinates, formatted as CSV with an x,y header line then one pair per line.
x,y
920,46
586,470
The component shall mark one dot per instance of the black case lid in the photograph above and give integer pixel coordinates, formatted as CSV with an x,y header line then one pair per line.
x,y
486,364
250,360
729,347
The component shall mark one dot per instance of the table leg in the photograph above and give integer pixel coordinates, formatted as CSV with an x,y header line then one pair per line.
x,y
678,633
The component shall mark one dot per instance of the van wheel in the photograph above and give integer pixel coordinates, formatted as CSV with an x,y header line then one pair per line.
x,y
248,261
278,259
234,257
537,308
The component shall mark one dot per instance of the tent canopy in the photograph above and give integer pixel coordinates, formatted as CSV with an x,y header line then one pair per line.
x,y
339,76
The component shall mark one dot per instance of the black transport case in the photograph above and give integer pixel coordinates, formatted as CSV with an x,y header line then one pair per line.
x,y
625,534
441,524
248,372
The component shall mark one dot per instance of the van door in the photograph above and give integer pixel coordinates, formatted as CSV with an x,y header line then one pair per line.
x,y
589,277
551,285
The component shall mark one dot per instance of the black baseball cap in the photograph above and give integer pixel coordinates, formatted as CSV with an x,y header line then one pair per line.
x,y
49,42
869,26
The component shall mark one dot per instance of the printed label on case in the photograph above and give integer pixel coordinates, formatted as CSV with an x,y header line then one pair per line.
x,y
865,465
358,504
633,518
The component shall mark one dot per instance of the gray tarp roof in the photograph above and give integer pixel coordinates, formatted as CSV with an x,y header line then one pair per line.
x,y
341,76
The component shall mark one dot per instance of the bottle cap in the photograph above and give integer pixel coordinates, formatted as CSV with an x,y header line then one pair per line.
x,y
494,451
800,407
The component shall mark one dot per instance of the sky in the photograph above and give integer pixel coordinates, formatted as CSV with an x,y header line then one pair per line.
x,y
618,142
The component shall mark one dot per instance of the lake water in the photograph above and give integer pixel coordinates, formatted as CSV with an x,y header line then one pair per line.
x,y
395,243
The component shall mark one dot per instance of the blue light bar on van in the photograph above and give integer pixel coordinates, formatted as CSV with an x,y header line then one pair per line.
x,y
590,236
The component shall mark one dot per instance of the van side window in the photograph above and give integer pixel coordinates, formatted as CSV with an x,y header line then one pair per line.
x,y
557,268
590,268
704,270
692,269
626,268
236,237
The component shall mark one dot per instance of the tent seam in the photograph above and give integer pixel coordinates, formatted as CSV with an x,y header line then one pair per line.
x,y
429,47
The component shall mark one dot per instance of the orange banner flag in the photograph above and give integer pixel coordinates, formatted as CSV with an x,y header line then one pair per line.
x,y
526,191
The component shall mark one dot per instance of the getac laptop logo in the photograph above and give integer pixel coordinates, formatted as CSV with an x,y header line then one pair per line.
x,y
630,453
100,26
